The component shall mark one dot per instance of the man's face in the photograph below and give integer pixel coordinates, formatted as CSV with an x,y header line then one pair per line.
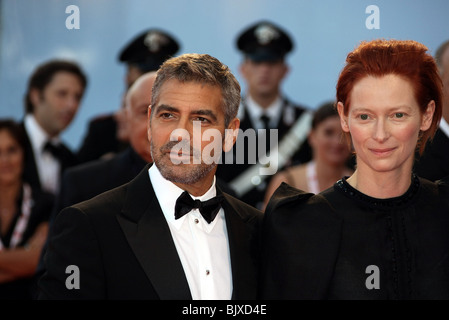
x,y
263,78
56,106
137,114
178,107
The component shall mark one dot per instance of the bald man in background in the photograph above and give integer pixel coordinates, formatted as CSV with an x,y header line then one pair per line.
x,y
87,180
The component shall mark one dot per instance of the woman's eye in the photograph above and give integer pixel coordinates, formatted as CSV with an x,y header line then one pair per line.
x,y
364,116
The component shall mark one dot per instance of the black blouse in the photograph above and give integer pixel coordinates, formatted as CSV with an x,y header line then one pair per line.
x,y
395,248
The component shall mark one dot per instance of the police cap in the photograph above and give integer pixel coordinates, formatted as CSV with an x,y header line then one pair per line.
x,y
149,50
264,41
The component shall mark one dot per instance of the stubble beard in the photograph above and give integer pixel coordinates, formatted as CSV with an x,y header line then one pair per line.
x,y
179,173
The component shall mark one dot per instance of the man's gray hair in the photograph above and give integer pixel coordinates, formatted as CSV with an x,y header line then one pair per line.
x,y
204,69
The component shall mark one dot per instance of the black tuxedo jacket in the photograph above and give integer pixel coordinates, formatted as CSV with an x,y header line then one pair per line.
x,y
87,180
122,246
31,174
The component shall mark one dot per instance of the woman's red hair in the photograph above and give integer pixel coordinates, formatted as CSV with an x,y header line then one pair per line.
x,y
406,58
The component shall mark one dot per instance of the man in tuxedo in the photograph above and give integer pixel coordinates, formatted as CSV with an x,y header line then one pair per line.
x,y
144,53
434,163
53,97
264,106
170,233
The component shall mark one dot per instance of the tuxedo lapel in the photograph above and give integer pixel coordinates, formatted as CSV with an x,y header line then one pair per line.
x,y
242,247
149,236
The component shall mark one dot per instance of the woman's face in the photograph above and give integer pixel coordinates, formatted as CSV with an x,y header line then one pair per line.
x,y
11,158
326,141
384,121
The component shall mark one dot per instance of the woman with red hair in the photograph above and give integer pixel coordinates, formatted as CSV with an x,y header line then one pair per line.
x,y
381,233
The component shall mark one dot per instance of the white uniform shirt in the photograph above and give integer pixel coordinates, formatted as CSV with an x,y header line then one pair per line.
x,y
202,248
444,126
255,111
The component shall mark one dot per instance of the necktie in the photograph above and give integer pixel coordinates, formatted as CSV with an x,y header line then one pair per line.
x,y
55,150
208,209
266,121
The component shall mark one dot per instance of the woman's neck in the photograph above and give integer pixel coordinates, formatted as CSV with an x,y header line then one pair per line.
x,y
381,185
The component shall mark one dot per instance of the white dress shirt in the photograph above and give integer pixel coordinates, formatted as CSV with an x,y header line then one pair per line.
x,y
48,166
202,248
255,111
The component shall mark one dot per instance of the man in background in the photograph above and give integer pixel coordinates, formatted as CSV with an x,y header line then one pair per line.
x,y
53,97
107,134
265,47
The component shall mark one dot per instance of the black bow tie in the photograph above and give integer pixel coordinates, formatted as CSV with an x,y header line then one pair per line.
x,y
55,150
208,209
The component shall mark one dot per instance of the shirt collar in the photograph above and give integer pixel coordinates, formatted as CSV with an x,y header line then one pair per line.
x,y
38,137
167,193
273,111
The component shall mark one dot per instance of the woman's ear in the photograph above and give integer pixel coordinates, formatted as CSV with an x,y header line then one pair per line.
x,y
343,117
427,116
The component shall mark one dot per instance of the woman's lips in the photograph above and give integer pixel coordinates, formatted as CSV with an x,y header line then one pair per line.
x,y
382,151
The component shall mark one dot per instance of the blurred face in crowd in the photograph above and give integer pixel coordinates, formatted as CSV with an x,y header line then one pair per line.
x,y
11,158
179,105
384,121
137,103
263,78
326,142
56,105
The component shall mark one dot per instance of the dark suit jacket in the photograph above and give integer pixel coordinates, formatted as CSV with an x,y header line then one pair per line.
x,y
87,180
122,245
100,139
31,174
434,163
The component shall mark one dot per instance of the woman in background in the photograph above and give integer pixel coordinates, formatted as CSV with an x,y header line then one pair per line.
x,y
24,215
382,233
330,156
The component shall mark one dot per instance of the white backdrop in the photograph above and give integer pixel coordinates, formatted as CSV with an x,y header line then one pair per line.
x,y
324,31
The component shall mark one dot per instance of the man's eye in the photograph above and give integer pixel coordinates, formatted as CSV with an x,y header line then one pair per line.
x,y
201,119
165,115
399,115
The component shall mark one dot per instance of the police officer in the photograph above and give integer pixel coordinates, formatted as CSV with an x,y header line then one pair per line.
x,y
146,52
264,46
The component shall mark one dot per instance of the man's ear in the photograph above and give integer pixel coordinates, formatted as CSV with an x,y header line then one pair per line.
x,y
231,133
343,117
35,96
